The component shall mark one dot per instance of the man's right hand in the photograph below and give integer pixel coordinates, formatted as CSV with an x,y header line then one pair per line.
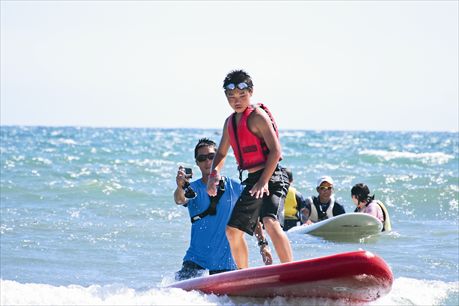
x,y
179,193
266,255
180,179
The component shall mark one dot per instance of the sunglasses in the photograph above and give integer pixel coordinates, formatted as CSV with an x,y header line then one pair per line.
x,y
325,187
203,157
241,86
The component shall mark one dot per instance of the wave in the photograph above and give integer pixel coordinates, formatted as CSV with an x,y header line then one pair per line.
x,y
14,293
433,157
405,291
409,291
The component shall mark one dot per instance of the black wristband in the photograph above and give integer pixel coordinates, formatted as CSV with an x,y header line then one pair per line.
x,y
262,242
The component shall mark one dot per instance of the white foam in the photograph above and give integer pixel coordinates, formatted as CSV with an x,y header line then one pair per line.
x,y
60,141
166,213
434,157
14,293
454,204
409,291
42,160
405,291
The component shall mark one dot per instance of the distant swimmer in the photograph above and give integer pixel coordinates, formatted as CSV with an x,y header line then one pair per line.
x,y
209,248
367,204
324,206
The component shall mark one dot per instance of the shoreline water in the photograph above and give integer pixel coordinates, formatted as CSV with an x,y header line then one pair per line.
x,y
87,215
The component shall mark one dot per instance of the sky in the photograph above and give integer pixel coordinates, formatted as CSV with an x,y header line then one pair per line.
x,y
318,65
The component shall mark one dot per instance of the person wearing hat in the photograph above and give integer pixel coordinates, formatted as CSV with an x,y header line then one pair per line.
x,y
324,206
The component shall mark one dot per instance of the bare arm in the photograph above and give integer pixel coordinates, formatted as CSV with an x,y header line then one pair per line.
x,y
260,124
219,161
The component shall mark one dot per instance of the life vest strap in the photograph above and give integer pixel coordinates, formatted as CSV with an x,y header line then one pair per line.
x,y
212,209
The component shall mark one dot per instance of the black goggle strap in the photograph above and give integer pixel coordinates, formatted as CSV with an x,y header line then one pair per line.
x,y
212,209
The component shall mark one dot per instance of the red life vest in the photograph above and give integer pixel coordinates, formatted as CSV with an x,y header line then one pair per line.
x,y
249,150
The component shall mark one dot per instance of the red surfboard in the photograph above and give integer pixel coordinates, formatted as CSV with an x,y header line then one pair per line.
x,y
357,276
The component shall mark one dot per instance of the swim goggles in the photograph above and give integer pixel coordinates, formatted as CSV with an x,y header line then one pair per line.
x,y
241,86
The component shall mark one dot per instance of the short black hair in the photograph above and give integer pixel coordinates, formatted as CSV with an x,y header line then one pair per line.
x,y
236,77
289,174
204,142
362,192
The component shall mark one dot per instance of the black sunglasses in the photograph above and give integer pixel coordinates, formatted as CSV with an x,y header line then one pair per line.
x,y
203,157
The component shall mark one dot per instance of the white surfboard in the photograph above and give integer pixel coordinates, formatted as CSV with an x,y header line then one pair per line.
x,y
349,224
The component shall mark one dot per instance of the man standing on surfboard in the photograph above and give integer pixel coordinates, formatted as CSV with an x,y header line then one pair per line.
x,y
252,133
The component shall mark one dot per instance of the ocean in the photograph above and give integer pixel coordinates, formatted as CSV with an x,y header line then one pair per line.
x,y
88,217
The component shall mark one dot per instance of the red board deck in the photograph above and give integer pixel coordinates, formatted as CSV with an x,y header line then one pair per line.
x,y
356,276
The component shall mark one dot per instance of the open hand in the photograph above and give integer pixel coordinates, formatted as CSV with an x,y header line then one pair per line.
x,y
266,255
258,190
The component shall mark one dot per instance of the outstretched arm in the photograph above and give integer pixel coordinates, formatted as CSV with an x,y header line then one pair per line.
x,y
218,162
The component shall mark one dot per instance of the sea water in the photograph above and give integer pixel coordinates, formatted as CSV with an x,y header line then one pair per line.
x,y
88,217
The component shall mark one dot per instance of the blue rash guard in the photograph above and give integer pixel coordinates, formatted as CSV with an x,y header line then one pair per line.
x,y
209,247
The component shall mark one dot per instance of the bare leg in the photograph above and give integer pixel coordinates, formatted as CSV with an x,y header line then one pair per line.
x,y
279,239
238,246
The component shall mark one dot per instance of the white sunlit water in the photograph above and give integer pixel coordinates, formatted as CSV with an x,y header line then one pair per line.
x,y
87,215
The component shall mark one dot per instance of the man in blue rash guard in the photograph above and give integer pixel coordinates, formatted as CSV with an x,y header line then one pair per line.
x,y
209,247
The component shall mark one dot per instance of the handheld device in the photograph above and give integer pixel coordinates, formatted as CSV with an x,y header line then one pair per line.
x,y
189,192
188,173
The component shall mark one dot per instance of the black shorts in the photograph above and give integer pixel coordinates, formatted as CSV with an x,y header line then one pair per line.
x,y
248,210
288,224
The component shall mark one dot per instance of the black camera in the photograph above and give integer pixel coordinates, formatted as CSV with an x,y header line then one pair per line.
x,y
188,173
189,192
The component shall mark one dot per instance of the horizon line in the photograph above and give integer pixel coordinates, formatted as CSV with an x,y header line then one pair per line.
x,y
218,128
